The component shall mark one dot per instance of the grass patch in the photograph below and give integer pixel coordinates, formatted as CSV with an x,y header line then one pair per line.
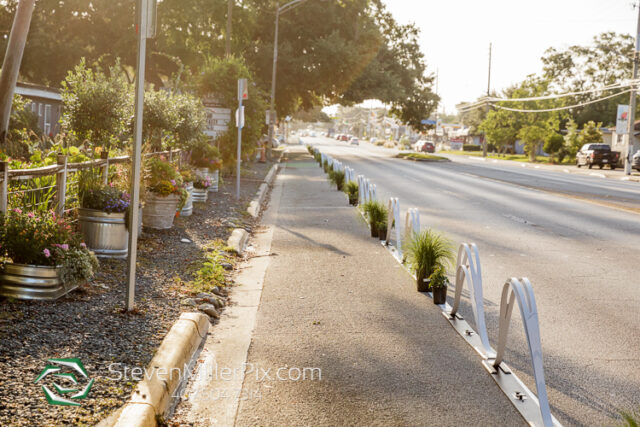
x,y
512,157
208,271
422,157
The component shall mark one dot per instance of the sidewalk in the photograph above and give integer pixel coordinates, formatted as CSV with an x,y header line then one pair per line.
x,y
341,336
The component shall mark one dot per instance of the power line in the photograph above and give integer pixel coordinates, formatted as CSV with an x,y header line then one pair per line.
x,y
582,104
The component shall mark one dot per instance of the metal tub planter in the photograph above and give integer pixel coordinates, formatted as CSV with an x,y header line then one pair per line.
x,y
104,233
214,177
199,195
32,282
159,211
187,210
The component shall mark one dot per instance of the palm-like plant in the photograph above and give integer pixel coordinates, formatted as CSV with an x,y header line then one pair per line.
x,y
428,251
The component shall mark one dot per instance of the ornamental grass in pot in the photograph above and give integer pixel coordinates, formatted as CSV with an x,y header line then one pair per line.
x,y
376,213
165,194
103,216
382,229
352,191
426,252
44,258
337,177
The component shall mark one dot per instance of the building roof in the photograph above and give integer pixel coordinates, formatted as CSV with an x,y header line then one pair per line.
x,y
38,91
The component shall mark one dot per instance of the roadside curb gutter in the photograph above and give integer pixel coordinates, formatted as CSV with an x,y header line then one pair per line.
x,y
170,365
255,206
238,240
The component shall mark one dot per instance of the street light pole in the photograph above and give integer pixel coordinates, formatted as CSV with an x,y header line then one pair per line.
x,y
632,101
273,83
484,142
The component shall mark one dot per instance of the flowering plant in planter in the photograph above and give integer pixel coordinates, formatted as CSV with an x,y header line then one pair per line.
x,y
188,174
202,183
163,179
44,239
205,155
94,194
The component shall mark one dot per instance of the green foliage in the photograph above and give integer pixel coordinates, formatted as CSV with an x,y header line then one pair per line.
x,y
337,177
554,146
428,251
439,279
43,239
590,133
205,155
80,265
94,194
532,136
163,179
351,189
161,119
376,212
630,419
192,120
97,105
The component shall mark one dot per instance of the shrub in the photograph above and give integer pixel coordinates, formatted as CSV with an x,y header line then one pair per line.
x,y
471,147
428,251
439,278
205,155
163,179
94,194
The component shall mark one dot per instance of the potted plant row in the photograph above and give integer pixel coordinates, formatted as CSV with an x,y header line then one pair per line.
x,y
165,194
376,213
352,191
43,257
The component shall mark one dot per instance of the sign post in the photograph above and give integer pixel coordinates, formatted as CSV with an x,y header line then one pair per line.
x,y
145,26
243,93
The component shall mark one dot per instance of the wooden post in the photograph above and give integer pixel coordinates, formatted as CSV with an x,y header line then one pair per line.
x,y
4,187
105,168
61,185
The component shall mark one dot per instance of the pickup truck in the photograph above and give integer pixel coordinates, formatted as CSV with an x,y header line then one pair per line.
x,y
597,154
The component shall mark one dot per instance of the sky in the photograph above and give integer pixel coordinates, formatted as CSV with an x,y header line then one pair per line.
x,y
455,37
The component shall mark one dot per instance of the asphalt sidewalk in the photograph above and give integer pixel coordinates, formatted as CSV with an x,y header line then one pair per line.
x,y
341,335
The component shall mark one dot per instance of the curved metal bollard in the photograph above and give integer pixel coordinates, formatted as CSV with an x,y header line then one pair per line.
x,y
469,270
522,291
393,222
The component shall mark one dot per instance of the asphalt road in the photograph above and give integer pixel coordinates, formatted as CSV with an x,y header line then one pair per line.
x,y
575,237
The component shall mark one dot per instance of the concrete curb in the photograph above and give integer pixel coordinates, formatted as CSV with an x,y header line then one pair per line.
x,y
256,204
238,240
153,395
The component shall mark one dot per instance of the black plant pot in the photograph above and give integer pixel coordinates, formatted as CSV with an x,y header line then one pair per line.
x,y
374,230
339,187
440,295
353,201
382,233
423,284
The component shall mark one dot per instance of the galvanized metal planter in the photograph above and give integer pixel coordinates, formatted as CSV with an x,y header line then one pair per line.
x,y
199,195
187,210
159,211
214,178
32,282
104,233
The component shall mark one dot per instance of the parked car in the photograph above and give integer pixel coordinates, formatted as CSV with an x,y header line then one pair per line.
x,y
635,161
597,154
344,138
354,141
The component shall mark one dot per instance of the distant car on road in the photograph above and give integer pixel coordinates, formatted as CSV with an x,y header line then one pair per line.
x,y
424,146
344,138
635,161
354,141
597,154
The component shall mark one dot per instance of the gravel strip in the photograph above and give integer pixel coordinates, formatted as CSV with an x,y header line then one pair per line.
x,y
90,324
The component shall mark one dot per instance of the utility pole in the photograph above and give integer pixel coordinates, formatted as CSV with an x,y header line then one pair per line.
x,y
484,139
273,83
435,139
12,61
632,101
228,40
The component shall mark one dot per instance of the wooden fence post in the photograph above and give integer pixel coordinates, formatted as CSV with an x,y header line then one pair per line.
x,y
61,184
4,187
105,168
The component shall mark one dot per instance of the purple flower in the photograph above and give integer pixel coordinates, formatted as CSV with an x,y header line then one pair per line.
x,y
83,245
64,247
173,182
31,215
18,210
46,252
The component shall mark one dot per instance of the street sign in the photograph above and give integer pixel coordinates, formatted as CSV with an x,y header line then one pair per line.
x,y
243,90
240,117
151,15
622,119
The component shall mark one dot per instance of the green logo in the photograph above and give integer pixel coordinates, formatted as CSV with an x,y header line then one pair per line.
x,y
70,390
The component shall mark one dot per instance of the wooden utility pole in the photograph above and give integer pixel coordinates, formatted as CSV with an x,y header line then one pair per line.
x,y
632,102
484,141
228,40
12,61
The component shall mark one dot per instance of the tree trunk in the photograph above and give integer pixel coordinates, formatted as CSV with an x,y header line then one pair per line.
x,y
12,61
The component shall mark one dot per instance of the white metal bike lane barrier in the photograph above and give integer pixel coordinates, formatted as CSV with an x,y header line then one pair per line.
x,y
393,223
